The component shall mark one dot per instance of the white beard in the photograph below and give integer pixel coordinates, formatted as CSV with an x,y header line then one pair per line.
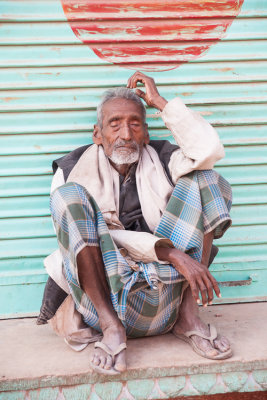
x,y
121,156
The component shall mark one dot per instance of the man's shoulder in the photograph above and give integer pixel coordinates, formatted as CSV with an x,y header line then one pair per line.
x,y
67,162
164,149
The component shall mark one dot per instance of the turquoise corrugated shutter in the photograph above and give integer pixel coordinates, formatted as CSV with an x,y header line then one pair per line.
x,y
51,82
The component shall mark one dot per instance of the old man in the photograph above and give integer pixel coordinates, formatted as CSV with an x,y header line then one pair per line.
x,y
135,221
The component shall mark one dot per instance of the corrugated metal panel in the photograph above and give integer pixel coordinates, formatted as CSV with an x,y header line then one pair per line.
x,y
52,74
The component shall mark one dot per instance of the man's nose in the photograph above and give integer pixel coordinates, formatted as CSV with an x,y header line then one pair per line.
x,y
125,132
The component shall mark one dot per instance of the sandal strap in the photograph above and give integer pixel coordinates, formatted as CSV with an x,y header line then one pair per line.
x,y
121,347
213,334
108,350
104,347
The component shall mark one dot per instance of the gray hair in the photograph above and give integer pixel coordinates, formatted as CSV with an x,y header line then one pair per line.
x,y
118,93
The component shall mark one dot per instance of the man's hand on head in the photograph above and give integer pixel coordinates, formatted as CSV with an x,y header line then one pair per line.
x,y
151,95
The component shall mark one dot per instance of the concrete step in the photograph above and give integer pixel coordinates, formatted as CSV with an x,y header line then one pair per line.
x,y
37,364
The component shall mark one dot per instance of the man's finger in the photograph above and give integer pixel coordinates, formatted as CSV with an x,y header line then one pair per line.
x,y
139,77
209,288
194,291
132,81
140,93
215,285
203,291
128,82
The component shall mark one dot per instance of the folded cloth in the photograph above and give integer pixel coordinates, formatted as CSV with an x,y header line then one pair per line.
x,y
52,299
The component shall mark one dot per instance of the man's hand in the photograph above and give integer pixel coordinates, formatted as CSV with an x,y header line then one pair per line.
x,y
151,96
197,274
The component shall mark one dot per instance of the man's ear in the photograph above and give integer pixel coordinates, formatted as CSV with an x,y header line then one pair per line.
x,y
147,138
97,137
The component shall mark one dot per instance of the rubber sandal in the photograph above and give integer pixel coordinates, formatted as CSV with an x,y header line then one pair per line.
x,y
213,335
113,354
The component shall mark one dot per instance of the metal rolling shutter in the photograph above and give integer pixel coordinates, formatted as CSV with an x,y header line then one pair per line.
x,y
50,85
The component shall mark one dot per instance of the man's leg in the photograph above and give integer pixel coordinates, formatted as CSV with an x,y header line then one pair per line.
x,y
91,266
189,319
93,282
200,203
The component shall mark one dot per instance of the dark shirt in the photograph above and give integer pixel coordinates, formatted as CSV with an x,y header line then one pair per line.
x,y
130,213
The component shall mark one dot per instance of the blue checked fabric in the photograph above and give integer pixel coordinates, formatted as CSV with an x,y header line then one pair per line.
x,y
146,298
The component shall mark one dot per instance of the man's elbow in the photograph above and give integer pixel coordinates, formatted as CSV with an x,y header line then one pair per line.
x,y
213,154
219,151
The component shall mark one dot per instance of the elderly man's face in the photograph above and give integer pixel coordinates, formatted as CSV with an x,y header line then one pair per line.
x,y
124,132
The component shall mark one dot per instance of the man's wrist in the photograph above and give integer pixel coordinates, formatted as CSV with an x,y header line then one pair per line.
x,y
164,253
160,103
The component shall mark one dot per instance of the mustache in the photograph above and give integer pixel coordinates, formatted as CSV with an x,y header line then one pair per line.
x,y
124,143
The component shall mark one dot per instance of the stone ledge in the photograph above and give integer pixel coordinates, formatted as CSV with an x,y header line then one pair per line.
x,y
36,364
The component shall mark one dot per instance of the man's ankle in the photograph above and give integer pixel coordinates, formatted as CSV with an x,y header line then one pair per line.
x,y
112,325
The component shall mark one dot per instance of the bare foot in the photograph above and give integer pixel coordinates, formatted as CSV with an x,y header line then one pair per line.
x,y
220,344
112,337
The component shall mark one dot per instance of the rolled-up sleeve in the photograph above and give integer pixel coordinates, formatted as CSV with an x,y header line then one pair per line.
x,y
140,246
200,146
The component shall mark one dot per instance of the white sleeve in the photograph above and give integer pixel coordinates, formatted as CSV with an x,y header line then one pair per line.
x,y
58,180
199,143
140,246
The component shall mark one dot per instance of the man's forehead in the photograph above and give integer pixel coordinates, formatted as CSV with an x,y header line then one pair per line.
x,y
121,106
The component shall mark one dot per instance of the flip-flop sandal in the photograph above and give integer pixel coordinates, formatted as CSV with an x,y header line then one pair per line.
x,y
213,335
113,354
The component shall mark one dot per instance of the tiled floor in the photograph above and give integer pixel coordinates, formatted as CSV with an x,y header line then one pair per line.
x,y
36,364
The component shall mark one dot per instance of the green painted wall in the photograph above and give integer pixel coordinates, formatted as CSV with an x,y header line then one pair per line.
x,y
50,85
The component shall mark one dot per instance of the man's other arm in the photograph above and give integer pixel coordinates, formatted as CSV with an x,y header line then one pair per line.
x,y
200,146
199,143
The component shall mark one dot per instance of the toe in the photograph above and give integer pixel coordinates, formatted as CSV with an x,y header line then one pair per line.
x,y
96,360
108,364
225,342
222,344
102,361
120,363
212,353
205,346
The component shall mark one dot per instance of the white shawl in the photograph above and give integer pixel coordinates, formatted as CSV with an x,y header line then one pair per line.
x,y
96,174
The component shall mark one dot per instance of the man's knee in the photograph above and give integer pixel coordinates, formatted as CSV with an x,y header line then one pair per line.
x,y
69,190
207,176
217,185
211,177
67,195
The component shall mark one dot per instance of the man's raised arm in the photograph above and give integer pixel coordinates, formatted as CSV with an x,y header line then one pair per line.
x,y
200,148
199,143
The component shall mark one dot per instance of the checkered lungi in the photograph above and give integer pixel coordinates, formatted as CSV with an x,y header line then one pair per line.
x,y
146,298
